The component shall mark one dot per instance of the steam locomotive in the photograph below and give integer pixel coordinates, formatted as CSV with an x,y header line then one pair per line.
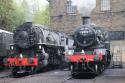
x,y
6,38
91,49
35,48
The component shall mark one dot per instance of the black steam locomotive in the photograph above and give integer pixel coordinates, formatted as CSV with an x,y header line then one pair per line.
x,y
35,48
91,49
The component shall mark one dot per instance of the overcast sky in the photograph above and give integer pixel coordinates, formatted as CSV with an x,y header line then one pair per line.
x,y
41,3
37,4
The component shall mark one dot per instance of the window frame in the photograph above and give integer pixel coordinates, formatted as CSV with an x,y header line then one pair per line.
x,y
70,9
105,5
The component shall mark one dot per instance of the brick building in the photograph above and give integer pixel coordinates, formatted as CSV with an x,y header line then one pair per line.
x,y
63,15
109,14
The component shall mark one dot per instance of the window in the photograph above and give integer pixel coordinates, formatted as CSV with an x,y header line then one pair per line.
x,y
116,35
105,5
71,10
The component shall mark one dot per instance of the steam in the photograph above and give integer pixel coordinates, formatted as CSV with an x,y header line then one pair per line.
x,y
85,7
29,12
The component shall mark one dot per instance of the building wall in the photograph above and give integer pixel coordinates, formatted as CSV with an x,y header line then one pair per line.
x,y
60,20
118,49
112,20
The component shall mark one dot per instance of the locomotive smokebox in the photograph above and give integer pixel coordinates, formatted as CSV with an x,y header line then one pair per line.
x,y
86,20
85,35
21,35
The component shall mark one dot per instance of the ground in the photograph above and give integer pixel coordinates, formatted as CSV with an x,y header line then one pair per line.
x,y
63,76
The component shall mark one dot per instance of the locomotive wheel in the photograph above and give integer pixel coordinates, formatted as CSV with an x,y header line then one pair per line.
x,y
101,68
72,71
71,68
96,69
33,70
14,72
108,60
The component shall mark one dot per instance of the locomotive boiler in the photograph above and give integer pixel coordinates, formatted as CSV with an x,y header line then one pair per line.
x,y
91,49
35,48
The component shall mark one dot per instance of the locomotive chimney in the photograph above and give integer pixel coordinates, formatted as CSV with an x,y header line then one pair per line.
x,y
86,20
27,24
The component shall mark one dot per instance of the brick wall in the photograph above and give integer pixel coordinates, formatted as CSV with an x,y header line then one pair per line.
x,y
60,20
113,20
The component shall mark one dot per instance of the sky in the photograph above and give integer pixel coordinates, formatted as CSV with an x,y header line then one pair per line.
x,y
41,3
33,5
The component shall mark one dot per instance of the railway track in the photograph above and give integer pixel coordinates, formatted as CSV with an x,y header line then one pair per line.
x,y
5,76
65,80
58,76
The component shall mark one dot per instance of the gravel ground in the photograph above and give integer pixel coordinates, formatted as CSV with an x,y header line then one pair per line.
x,y
63,76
